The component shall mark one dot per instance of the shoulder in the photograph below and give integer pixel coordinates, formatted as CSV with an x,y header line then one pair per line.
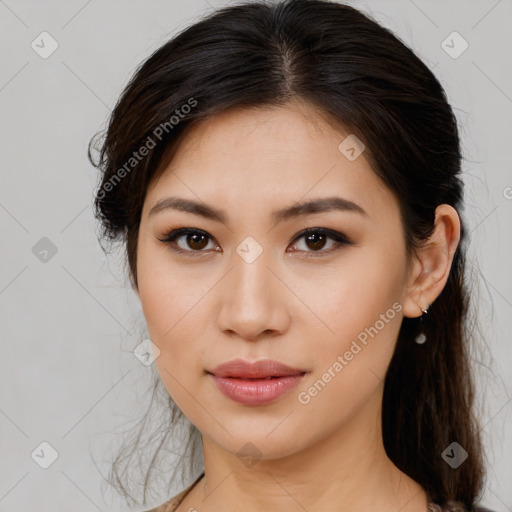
x,y
172,504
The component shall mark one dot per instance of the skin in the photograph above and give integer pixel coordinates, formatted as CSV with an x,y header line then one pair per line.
x,y
294,307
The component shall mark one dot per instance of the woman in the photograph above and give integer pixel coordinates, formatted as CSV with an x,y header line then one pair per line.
x,y
287,181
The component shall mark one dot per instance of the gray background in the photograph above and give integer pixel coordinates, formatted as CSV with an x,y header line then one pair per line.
x,y
69,324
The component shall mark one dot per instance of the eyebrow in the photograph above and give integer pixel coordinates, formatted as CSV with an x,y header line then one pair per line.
x,y
318,205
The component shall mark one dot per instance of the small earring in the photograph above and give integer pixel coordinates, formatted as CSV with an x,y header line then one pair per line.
x,y
421,338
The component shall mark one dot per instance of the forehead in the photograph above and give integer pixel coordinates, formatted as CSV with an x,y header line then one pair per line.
x,y
271,155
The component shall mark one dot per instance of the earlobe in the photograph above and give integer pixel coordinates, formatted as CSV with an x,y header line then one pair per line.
x,y
415,299
432,263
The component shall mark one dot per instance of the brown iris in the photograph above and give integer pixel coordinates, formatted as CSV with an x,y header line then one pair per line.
x,y
317,240
197,241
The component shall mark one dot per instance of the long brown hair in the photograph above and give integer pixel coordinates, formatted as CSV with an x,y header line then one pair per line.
x,y
360,73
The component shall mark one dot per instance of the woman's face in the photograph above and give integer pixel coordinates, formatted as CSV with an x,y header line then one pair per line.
x,y
251,287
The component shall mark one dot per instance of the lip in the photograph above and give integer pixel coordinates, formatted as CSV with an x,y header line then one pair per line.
x,y
240,369
259,383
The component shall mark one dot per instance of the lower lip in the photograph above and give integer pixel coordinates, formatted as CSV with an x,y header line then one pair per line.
x,y
256,391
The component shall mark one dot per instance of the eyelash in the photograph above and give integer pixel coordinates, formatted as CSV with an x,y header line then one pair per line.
x,y
171,236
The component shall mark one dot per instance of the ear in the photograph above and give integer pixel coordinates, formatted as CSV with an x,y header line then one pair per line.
x,y
431,265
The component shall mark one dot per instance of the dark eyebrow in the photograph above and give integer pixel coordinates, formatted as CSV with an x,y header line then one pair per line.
x,y
323,204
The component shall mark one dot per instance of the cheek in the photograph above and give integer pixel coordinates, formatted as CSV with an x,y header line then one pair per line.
x,y
360,305
173,311
164,293
348,299
350,369
173,325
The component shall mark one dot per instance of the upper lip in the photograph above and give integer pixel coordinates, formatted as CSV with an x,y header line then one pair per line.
x,y
238,368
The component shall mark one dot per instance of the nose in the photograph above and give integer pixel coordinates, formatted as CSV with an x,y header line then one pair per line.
x,y
252,301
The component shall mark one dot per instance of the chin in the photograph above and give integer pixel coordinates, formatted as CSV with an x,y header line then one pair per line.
x,y
265,438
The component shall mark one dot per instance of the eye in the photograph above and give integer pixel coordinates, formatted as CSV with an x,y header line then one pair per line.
x,y
316,238
198,241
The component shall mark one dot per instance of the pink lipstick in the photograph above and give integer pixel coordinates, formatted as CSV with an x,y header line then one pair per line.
x,y
258,383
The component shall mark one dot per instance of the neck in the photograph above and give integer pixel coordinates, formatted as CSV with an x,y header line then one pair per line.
x,y
348,470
